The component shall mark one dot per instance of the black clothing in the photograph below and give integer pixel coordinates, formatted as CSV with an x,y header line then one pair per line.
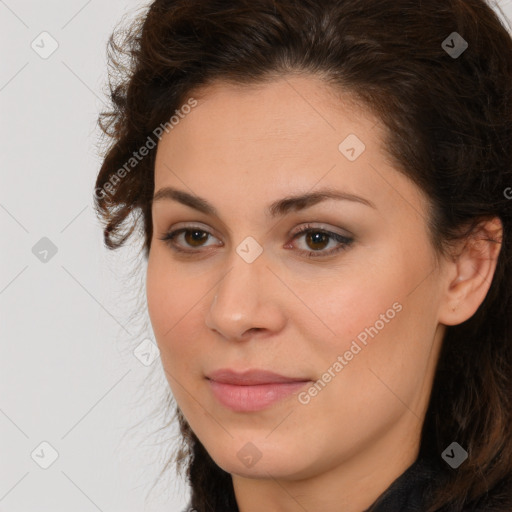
x,y
408,492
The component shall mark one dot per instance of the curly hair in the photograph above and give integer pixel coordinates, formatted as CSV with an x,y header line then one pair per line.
x,y
448,122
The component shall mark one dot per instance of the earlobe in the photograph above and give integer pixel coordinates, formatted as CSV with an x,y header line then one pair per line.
x,y
471,273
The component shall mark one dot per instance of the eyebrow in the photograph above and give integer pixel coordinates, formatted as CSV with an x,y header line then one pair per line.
x,y
276,209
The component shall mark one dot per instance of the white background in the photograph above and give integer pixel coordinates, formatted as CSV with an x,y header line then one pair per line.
x,y
68,375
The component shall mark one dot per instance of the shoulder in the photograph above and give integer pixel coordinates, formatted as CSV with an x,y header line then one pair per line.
x,y
496,499
499,498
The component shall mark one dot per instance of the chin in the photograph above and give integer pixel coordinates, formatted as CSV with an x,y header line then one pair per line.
x,y
282,464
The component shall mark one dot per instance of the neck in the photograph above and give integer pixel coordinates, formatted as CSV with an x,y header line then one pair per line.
x,y
352,485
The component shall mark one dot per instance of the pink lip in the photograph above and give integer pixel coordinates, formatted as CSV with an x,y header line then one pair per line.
x,y
251,390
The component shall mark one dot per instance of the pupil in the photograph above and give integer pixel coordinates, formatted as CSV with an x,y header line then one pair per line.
x,y
196,236
318,238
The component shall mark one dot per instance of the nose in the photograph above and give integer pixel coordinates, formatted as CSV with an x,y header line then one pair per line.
x,y
246,301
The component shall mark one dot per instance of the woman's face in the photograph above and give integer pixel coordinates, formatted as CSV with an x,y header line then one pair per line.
x,y
355,320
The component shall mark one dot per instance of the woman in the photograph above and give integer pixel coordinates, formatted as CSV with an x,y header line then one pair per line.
x,y
324,191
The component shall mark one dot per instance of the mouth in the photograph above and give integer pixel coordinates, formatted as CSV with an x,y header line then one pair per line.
x,y
253,389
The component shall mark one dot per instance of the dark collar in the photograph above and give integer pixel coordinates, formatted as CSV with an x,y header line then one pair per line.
x,y
407,492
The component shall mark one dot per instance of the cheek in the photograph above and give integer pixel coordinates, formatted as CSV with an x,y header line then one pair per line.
x,y
368,364
173,310
384,334
371,314
340,309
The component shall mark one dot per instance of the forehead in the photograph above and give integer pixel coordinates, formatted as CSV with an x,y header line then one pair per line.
x,y
270,140
283,107
295,119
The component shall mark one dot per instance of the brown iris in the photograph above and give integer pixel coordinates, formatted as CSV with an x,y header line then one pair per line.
x,y
317,238
195,237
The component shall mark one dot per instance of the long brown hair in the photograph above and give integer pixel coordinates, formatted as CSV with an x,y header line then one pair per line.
x,y
449,121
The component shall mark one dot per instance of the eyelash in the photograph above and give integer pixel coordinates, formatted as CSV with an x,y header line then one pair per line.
x,y
344,241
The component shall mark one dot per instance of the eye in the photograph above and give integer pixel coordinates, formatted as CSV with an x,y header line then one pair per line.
x,y
193,236
316,238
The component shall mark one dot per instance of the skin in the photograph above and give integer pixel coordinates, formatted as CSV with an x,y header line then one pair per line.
x,y
242,148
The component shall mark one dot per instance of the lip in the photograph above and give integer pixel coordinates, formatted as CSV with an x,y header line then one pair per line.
x,y
251,377
253,389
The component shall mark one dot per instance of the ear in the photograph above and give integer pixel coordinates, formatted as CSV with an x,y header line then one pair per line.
x,y
469,274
